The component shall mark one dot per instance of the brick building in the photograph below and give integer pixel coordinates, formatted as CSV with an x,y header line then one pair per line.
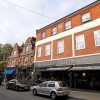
x,y
69,49
21,59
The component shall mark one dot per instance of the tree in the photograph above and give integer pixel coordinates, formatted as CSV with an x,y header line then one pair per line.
x,y
3,65
6,51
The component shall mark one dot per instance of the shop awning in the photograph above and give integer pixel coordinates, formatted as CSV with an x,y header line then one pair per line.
x,y
58,69
10,71
85,68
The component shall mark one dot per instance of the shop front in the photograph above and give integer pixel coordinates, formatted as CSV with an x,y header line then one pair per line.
x,y
10,73
86,77
79,72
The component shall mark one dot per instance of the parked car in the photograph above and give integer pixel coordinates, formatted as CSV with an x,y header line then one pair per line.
x,y
15,85
52,89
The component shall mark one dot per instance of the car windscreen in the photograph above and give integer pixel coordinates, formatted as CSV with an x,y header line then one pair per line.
x,y
62,84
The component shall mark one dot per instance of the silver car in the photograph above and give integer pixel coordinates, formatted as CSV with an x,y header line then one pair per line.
x,y
52,89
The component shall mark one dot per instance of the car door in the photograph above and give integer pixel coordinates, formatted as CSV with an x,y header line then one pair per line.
x,y
50,86
42,88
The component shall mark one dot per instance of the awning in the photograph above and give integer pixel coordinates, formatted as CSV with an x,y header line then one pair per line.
x,y
10,71
58,69
85,68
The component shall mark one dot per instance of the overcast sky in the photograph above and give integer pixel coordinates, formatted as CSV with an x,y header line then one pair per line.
x,y
17,24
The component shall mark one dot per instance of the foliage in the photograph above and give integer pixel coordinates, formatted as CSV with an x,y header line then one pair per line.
x,y
3,65
5,52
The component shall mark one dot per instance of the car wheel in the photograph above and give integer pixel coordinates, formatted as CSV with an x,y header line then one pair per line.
x,y
34,92
7,87
16,88
53,95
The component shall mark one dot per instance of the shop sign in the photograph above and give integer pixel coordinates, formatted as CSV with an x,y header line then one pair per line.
x,y
61,62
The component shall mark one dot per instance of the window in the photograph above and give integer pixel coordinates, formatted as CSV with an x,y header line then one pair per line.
x,y
51,84
54,31
86,17
60,47
39,51
80,42
67,25
26,60
43,35
47,50
97,37
27,48
44,84
14,52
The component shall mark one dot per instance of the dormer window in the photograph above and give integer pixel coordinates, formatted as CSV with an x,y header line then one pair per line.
x,y
86,17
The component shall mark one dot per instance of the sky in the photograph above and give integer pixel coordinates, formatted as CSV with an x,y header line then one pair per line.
x,y
17,23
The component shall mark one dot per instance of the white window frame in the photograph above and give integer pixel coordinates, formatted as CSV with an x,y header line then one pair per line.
x,y
54,31
14,52
43,35
97,37
47,50
80,42
60,46
86,17
27,48
39,51
67,25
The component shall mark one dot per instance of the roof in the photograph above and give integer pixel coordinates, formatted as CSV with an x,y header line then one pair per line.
x,y
74,13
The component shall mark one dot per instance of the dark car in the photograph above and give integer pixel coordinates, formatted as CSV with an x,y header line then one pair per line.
x,y
15,85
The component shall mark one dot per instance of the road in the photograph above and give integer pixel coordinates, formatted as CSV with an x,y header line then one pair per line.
x,y
24,95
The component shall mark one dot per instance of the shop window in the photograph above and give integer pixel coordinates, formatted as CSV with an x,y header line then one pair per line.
x,y
60,47
97,37
54,31
80,42
43,35
47,50
39,51
86,17
67,25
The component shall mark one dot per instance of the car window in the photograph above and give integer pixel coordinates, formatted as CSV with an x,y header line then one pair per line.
x,y
12,81
51,85
62,84
43,84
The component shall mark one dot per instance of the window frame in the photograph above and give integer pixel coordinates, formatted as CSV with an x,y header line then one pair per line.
x,y
39,51
69,26
60,49
54,31
84,18
79,47
95,38
43,35
47,50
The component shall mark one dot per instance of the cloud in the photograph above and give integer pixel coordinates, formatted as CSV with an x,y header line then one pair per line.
x,y
22,24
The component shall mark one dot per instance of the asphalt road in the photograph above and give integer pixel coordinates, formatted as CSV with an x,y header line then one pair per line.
x,y
24,95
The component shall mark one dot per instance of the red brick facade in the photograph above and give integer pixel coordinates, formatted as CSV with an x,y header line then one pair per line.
x,y
22,55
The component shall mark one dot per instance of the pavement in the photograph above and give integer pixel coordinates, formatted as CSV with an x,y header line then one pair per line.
x,y
85,95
